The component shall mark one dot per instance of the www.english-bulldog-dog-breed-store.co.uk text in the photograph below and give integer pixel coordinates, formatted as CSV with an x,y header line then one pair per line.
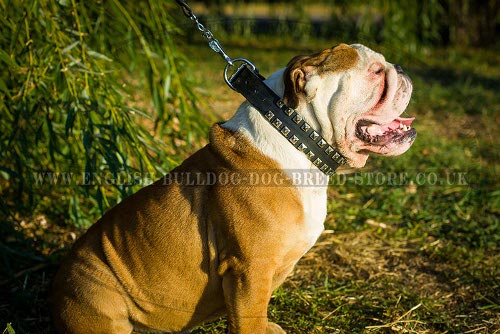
x,y
173,256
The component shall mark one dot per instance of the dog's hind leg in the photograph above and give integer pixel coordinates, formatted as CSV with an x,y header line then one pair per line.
x,y
92,306
75,317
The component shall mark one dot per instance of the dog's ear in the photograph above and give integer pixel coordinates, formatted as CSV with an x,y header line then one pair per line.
x,y
295,80
339,58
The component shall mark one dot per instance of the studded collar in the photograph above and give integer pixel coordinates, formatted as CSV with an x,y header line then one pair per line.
x,y
286,120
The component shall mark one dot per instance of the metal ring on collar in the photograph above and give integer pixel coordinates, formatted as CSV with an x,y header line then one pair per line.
x,y
245,63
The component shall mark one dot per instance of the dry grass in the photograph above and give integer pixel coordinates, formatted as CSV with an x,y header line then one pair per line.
x,y
396,282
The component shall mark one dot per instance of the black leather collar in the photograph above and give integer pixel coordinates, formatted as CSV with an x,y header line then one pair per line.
x,y
286,120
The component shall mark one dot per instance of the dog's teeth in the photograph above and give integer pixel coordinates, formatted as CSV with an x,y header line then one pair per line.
x,y
404,127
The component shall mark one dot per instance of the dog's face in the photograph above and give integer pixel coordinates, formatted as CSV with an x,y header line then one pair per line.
x,y
356,98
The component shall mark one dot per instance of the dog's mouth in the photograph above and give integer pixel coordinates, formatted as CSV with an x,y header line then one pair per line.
x,y
397,132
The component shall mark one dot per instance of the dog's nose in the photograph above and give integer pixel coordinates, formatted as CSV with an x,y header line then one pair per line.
x,y
398,68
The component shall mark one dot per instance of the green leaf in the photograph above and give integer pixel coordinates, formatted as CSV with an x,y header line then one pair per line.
x,y
87,141
4,88
98,55
9,329
70,120
166,87
99,199
8,60
70,47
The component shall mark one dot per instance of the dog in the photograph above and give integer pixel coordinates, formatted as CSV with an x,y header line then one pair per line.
x,y
184,251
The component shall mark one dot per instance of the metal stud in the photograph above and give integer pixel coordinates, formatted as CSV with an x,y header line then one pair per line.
x,y
314,135
305,127
318,161
269,115
293,139
321,143
277,123
339,159
288,111
329,150
302,147
280,103
324,168
297,119
310,155
330,172
285,131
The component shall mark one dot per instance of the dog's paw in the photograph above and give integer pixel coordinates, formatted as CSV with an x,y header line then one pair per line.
x,y
273,328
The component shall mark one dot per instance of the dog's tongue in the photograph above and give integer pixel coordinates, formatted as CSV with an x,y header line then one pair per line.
x,y
398,123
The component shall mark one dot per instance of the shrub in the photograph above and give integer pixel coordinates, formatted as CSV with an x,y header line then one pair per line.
x,y
92,100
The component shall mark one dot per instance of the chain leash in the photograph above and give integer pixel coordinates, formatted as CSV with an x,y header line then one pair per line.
x,y
213,43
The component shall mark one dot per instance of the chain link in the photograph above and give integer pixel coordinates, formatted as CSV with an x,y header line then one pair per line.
x,y
213,43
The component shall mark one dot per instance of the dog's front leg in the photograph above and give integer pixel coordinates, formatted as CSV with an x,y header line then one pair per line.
x,y
247,291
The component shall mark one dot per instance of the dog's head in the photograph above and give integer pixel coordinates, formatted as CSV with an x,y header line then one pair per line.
x,y
356,99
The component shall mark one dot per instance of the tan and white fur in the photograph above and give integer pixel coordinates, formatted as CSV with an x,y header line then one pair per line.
x,y
173,256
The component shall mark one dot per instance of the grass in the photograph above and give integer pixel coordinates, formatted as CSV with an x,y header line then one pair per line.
x,y
415,253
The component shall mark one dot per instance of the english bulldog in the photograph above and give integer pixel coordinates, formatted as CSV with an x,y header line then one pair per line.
x,y
177,254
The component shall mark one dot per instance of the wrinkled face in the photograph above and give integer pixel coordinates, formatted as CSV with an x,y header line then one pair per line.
x,y
355,97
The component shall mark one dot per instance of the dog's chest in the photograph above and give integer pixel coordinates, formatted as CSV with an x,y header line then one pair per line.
x,y
314,207
314,204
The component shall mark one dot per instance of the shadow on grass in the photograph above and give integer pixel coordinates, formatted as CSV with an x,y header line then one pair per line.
x,y
30,255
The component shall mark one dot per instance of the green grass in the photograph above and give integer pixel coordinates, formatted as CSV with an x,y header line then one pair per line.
x,y
417,257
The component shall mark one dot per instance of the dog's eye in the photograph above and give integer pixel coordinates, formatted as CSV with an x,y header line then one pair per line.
x,y
376,68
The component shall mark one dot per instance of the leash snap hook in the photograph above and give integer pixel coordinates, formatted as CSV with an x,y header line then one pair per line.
x,y
215,45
